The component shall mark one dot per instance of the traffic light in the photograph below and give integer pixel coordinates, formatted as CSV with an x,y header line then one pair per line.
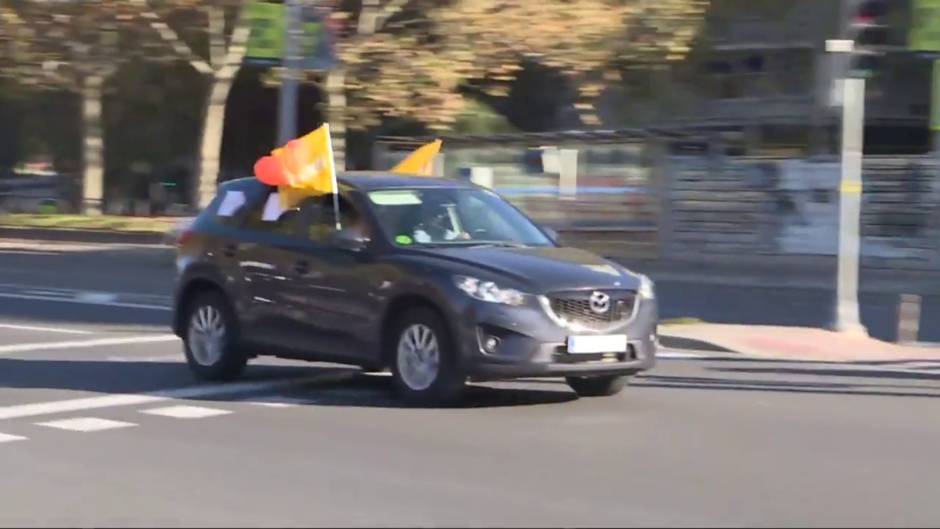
x,y
869,30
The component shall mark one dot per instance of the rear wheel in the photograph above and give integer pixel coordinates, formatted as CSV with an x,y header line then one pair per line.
x,y
604,386
424,363
210,339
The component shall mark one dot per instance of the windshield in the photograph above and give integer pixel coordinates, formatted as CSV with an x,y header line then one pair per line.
x,y
445,217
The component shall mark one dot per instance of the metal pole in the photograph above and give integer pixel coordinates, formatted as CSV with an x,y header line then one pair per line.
x,y
935,107
853,123
287,101
908,318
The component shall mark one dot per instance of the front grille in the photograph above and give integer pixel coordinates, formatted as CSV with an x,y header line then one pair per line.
x,y
575,307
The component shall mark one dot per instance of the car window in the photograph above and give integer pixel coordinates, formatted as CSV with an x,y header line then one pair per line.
x,y
444,216
232,204
318,222
286,224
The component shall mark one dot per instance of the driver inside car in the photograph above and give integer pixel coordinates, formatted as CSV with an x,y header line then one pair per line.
x,y
437,223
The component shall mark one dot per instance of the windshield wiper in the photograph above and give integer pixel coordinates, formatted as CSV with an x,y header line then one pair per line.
x,y
472,244
498,244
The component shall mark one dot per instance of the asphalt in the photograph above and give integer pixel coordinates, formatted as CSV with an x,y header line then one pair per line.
x,y
148,270
716,440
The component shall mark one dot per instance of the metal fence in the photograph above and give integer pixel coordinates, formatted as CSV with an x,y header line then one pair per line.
x,y
656,196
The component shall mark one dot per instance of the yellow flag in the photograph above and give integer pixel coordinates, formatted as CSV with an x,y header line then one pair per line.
x,y
302,168
420,162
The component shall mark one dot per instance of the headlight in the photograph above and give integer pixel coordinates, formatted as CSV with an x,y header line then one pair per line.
x,y
646,288
489,291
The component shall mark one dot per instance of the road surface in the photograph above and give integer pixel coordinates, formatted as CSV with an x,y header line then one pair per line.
x,y
100,424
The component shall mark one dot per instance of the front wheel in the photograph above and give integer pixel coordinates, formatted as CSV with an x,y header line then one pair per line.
x,y
597,386
425,369
210,339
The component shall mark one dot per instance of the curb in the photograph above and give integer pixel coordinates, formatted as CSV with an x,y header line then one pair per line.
x,y
691,344
81,235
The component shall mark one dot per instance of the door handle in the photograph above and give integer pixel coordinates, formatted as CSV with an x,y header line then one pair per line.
x,y
229,250
301,267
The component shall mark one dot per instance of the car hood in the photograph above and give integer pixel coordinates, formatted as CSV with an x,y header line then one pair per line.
x,y
542,269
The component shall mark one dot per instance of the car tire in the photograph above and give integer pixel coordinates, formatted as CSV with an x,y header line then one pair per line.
x,y
210,339
603,386
424,363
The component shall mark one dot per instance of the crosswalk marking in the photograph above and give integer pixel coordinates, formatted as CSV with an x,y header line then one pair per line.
x,y
186,412
86,424
7,438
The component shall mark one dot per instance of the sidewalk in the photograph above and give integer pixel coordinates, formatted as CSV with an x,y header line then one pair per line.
x,y
790,343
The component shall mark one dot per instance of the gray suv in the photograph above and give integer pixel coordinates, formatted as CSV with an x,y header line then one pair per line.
x,y
438,280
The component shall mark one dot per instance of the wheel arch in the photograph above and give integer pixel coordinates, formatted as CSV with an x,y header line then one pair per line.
x,y
193,287
398,306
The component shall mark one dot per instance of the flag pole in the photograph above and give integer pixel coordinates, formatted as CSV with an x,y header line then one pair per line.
x,y
329,146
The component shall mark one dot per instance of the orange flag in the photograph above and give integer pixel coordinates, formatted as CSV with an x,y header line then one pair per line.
x,y
420,162
301,168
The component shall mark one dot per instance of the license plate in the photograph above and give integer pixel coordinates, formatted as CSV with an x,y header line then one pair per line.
x,y
610,343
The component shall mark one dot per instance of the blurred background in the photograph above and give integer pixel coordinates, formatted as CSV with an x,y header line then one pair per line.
x,y
698,138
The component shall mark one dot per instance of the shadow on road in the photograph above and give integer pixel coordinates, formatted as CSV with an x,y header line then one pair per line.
x,y
329,386
847,371
861,388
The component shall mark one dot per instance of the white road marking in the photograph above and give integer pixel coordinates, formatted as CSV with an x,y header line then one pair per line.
x,y
47,292
42,329
8,438
121,304
86,424
176,357
186,412
279,401
132,399
675,355
273,404
96,297
45,346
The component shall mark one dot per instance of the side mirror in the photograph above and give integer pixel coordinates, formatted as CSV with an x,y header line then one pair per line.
x,y
350,239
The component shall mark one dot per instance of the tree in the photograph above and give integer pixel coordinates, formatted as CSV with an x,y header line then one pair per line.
x,y
77,47
411,58
73,48
222,39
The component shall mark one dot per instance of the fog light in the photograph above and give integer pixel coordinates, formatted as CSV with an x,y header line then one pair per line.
x,y
490,343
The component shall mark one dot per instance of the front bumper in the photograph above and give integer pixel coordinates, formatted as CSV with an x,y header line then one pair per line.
x,y
532,344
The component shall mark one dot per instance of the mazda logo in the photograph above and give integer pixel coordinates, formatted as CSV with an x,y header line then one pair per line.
x,y
600,303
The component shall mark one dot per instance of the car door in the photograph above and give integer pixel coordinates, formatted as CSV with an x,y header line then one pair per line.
x,y
265,256
333,294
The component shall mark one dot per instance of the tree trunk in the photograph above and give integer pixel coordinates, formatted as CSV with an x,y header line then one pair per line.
x,y
211,147
92,145
336,114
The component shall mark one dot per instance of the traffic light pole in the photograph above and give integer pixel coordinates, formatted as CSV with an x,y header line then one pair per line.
x,y
850,205
287,97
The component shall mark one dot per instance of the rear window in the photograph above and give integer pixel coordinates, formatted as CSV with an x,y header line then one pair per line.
x,y
235,200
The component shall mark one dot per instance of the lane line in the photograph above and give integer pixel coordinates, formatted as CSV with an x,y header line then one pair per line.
x,y
186,412
42,329
176,357
19,411
86,424
42,289
279,401
8,438
925,367
56,293
676,355
120,304
46,346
